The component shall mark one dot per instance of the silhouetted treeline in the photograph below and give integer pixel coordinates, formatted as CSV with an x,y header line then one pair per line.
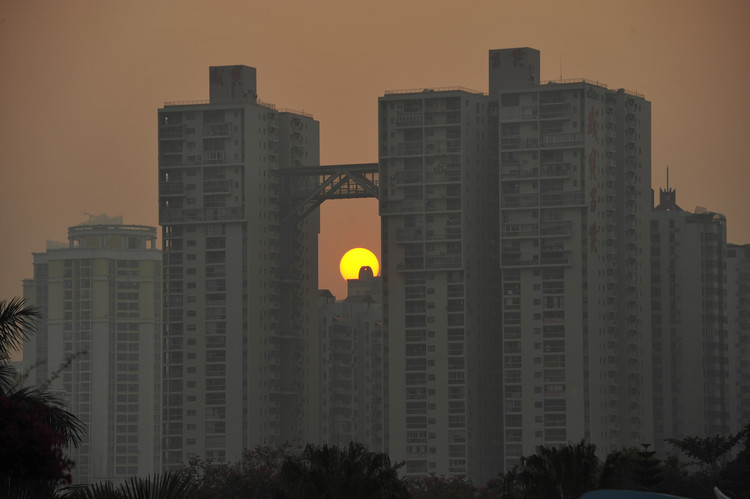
x,y
565,472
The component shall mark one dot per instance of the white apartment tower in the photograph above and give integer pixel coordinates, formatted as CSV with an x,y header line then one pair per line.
x,y
575,172
437,205
100,303
692,351
240,277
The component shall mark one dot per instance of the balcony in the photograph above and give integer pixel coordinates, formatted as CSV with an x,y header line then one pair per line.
x,y
409,148
554,258
171,160
511,142
555,170
217,186
444,176
440,117
450,233
554,111
409,119
175,215
171,132
442,205
512,172
407,178
217,129
216,214
562,140
555,229
213,157
402,206
518,113
516,260
171,189
408,265
409,234
520,230
443,262
443,146
518,200
562,199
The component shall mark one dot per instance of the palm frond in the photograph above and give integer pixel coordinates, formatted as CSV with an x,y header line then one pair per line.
x,y
17,322
52,412
103,490
9,378
164,486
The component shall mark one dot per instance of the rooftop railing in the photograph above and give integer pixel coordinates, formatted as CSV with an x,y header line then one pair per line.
x,y
590,82
294,111
432,90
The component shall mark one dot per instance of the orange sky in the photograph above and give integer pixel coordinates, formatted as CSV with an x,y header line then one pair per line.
x,y
80,83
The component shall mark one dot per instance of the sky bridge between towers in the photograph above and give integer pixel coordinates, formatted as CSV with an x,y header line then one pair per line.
x,y
312,185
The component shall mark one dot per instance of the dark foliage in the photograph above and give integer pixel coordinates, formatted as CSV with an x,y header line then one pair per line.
x,y
710,452
255,475
164,486
330,472
34,426
566,472
17,323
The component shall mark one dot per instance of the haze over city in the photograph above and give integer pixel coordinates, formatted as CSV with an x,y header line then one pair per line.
x,y
564,264
82,81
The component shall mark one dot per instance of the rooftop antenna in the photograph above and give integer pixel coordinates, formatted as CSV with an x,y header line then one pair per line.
x,y
561,67
667,177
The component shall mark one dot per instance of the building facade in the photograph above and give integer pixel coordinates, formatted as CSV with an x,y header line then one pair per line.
x,y
699,336
351,337
240,275
98,344
515,233
689,322
738,331
575,172
436,207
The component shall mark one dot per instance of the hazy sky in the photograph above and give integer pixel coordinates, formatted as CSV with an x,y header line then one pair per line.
x,y
80,83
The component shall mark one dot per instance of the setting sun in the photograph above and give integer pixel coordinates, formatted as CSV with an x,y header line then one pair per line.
x,y
355,259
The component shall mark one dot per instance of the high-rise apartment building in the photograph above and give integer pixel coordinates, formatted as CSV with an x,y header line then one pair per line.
x,y
240,273
691,368
536,196
738,329
100,303
351,351
575,173
436,208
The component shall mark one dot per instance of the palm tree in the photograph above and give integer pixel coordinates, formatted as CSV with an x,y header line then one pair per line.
x,y
36,425
561,472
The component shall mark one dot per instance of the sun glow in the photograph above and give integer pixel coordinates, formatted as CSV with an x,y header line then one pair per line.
x,y
355,259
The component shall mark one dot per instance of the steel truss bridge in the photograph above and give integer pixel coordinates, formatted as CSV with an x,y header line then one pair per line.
x,y
310,186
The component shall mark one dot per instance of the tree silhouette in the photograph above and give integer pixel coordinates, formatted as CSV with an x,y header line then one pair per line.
x,y
254,475
648,472
329,472
710,452
565,472
34,426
